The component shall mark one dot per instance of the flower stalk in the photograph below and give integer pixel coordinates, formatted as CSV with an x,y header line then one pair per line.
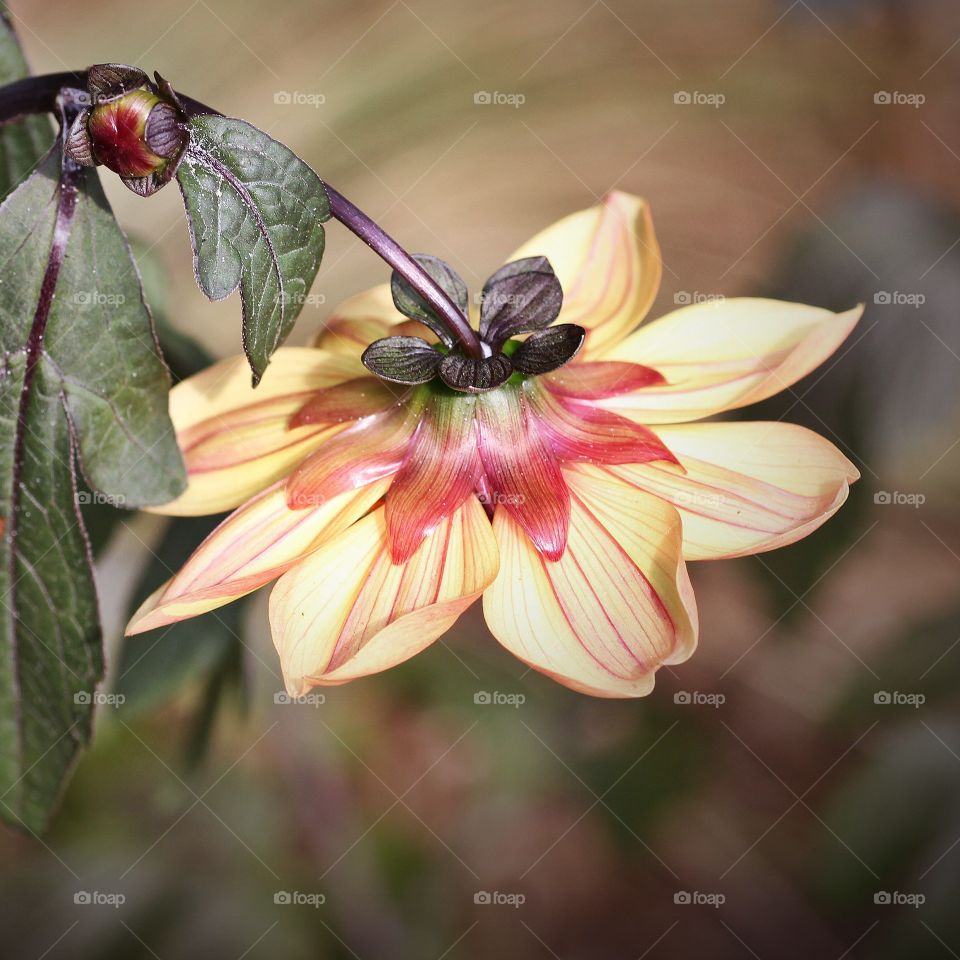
x,y
38,94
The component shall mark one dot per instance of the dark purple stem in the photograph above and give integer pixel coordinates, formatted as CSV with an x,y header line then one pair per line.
x,y
39,95
389,250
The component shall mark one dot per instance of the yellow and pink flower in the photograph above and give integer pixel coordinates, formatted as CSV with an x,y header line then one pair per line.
x,y
569,495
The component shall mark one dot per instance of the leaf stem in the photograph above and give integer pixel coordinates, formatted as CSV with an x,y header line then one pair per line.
x,y
38,95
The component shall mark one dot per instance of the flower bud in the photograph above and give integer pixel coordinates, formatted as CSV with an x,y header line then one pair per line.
x,y
132,130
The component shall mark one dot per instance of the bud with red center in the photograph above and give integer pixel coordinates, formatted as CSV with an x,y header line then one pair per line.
x,y
133,127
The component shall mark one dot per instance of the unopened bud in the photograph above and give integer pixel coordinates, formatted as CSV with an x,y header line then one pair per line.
x,y
129,128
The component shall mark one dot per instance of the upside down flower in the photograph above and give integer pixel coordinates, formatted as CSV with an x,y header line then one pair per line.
x,y
566,475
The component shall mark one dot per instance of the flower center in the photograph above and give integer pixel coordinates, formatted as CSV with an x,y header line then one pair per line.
x,y
522,298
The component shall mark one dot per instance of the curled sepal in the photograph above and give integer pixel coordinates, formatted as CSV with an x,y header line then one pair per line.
x,y
521,296
402,359
548,349
412,305
77,144
110,81
470,375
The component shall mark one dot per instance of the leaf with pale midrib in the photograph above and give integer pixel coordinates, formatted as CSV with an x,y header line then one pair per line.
x,y
93,388
255,212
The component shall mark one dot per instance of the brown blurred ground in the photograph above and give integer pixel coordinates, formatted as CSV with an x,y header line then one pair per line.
x,y
799,799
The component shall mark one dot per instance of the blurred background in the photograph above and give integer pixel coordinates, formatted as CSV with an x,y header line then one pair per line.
x,y
793,790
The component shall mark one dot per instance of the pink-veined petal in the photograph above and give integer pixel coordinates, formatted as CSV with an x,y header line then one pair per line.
x,y
596,380
438,473
368,450
608,262
350,400
360,320
725,354
348,611
226,386
615,607
748,487
251,547
236,439
584,432
523,473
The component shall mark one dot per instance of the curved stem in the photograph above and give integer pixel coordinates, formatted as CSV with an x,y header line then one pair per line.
x,y
39,95
386,247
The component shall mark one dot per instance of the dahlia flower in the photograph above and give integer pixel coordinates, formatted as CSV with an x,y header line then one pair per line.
x,y
386,479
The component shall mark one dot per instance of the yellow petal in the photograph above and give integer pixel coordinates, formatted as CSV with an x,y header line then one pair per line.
x,y
726,354
748,487
617,604
608,262
253,546
346,611
357,322
235,438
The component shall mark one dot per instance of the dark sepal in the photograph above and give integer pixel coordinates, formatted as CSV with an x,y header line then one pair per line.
x,y
470,375
548,349
164,133
77,144
150,184
402,360
168,93
521,296
412,305
108,81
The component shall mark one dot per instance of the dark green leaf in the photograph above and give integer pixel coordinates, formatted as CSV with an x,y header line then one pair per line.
x,y
402,359
412,305
183,355
255,212
50,646
80,374
23,142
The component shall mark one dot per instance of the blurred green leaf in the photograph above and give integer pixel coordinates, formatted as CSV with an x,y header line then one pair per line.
x,y
158,665
22,142
892,818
